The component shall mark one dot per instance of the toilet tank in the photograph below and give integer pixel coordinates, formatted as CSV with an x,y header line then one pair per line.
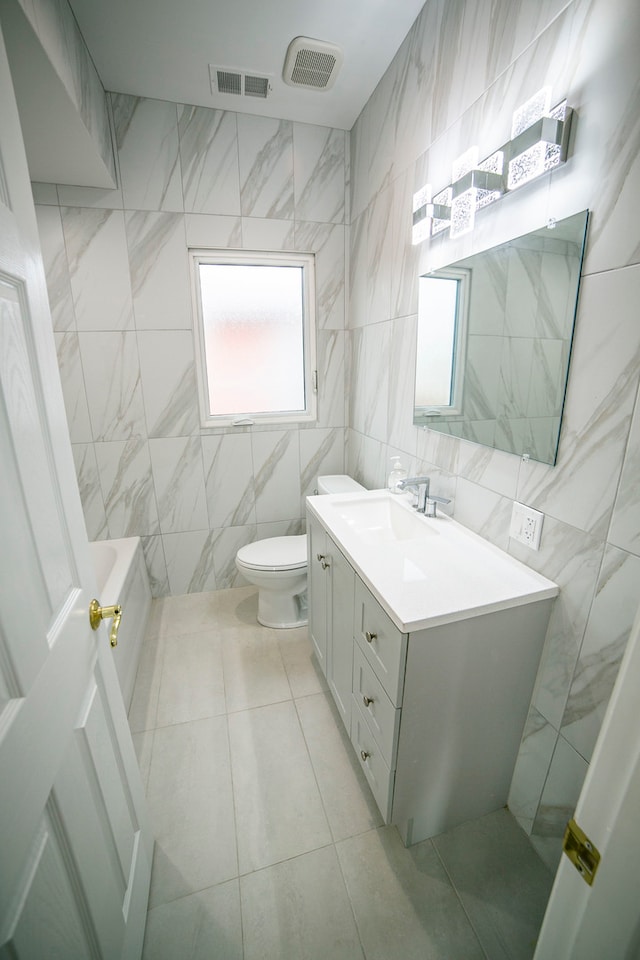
x,y
338,483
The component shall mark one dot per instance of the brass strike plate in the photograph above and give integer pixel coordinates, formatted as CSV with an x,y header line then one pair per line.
x,y
582,853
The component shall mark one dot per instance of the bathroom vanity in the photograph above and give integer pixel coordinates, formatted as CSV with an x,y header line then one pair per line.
x,y
430,639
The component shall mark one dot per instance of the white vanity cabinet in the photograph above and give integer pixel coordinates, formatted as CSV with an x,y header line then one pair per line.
x,y
467,689
331,583
435,713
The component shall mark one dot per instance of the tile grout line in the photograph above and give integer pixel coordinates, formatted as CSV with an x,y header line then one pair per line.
x,y
335,842
233,792
459,898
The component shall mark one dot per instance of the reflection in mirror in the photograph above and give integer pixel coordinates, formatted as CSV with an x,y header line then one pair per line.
x,y
494,340
441,342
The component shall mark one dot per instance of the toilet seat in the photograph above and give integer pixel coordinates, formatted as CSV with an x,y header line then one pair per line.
x,y
275,553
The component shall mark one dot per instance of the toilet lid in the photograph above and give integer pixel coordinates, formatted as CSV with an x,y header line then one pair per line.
x,y
275,553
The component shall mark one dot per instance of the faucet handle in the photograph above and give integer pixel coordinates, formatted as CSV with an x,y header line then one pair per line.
x,y
430,505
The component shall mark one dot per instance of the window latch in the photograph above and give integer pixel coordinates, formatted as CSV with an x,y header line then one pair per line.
x,y
314,381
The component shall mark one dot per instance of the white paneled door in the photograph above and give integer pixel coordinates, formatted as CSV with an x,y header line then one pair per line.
x,y
75,843
585,922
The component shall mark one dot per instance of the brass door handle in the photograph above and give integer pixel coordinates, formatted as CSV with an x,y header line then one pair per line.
x,y
97,614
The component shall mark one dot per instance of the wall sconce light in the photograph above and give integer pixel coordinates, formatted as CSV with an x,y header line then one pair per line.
x,y
539,140
475,186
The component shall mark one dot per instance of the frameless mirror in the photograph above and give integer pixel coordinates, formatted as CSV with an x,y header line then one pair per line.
x,y
494,341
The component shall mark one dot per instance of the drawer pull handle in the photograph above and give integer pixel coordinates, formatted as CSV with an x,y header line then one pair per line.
x,y
364,755
370,637
367,700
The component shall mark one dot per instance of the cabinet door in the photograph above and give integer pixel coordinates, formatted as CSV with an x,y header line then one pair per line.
x,y
317,587
340,652
384,646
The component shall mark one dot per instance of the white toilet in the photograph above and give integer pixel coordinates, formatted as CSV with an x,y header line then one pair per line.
x,y
278,567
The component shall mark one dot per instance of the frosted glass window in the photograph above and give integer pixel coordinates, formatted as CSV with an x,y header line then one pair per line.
x,y
255,337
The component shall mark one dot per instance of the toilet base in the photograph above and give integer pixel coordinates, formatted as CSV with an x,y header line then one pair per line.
x,y
282,611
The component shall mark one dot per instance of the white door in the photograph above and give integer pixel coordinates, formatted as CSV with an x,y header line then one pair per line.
x,y
75,845
603,920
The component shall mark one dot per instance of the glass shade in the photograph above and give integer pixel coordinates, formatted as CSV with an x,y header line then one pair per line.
x,y
463,212
535,107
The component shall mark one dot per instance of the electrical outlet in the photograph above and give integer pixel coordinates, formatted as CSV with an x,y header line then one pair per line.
x,y
526,525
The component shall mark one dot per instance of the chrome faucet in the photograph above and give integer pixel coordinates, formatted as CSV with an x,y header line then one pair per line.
x,y
421,484
425,504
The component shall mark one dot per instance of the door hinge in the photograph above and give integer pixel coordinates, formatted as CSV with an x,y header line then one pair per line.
x,y
583,854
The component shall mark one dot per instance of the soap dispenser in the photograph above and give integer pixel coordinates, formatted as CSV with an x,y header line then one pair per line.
x,y
397,474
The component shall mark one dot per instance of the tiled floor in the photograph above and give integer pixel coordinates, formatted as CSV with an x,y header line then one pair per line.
x,y
268,842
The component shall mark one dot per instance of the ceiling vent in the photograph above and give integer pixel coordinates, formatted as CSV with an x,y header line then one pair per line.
x,y
238,82
313,64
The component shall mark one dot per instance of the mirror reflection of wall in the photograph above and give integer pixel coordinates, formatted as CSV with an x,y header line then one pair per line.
x,y
508,320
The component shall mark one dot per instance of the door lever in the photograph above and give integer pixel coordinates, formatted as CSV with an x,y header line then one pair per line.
x,y
97,614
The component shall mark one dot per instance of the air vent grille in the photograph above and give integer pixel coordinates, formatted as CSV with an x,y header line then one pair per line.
x,y
256,86
313,69
311,63
229,82
238,82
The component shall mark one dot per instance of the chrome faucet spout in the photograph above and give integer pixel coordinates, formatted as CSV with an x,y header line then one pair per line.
x,y
421,484
426,504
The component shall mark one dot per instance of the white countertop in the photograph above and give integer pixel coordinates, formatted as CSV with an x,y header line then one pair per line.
x,y
452,574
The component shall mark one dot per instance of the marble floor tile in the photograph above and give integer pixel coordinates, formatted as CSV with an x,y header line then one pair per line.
x,y
254,673
192,682
502,883
347,799
299,909
404,903
190,801
303,673
279,812
268,841
198,927
193,613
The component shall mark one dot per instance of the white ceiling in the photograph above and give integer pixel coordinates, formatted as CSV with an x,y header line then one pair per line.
x,y
163,48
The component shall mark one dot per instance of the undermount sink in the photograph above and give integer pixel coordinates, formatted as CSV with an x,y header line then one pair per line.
x,y
381,519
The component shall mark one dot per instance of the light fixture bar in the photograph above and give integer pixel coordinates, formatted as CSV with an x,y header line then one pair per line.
x,y
539,144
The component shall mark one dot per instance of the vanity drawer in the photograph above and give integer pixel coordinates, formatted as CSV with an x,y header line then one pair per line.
x,y
373,764
384,646
374,704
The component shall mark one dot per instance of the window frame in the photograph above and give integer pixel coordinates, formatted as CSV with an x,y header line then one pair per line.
x,y
422,413
305,261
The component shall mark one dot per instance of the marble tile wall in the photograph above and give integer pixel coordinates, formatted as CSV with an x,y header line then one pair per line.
x,y
118,276
462,70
